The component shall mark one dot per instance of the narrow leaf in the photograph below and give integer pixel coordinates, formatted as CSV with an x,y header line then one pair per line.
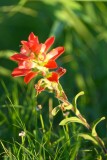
x,y
55,110
75,101
76,111
88,137
70,120
69,107
78,95
94,133
6,53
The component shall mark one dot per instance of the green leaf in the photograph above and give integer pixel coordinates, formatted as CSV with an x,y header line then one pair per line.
x,y
94,133
88,137
75,102
77,96
69,107
5,71
70,120
55,110
6,53
99,157
57,28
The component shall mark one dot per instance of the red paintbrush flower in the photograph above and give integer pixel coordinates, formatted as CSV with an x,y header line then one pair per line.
x,y
33,58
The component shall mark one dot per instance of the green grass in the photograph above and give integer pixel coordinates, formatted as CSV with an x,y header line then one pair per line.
x,y
44,138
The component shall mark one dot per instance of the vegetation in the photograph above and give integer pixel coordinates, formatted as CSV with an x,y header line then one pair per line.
x,y
81,28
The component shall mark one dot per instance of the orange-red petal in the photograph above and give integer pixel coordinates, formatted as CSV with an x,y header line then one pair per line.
x,y
25,43
39,88
49,43
32,37
55,53
18,57
29,77
51,64
53,77
20,72
61,71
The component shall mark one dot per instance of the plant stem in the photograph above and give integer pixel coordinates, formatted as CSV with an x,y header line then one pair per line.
x,y
64,99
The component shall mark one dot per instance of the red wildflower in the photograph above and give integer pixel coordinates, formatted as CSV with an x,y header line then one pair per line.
x,y
34,59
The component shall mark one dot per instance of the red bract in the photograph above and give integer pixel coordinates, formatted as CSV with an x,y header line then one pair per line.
x,y
54,77
33,59
51,82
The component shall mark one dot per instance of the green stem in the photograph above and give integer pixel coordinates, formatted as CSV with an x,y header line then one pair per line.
x,y
42,123
62,97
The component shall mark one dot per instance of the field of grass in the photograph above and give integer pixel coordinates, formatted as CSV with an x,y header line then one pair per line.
x,y
79,26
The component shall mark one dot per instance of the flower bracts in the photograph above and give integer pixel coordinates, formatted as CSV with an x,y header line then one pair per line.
x,y
35,58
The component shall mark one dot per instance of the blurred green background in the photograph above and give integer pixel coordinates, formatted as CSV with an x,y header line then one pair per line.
x,y
81,27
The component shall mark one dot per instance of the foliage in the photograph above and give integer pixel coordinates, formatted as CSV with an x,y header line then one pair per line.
x,y
81,28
